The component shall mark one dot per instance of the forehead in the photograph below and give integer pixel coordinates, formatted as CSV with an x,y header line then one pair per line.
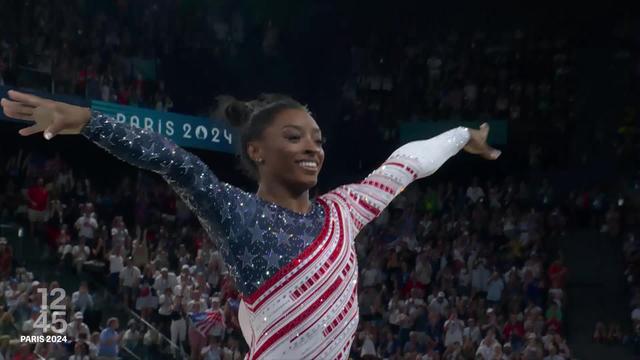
x,y
295,118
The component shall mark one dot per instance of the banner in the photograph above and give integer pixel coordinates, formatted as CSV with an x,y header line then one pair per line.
x,y
420,130
184,130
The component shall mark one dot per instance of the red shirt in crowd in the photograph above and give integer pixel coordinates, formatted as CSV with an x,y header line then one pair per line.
x,y
513,329
23,356
39,198
6,260
554,323
557,275
410,285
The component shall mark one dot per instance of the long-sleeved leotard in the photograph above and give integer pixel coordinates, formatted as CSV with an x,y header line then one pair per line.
x,y
297,272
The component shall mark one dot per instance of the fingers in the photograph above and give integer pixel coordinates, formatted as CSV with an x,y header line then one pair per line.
x,y
30,130
17,110
28,99
484,130
491,153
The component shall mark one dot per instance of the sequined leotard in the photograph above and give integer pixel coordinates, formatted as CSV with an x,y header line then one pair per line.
x,y
297,272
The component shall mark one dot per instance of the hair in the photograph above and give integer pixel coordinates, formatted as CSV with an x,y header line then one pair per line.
x,y
252,118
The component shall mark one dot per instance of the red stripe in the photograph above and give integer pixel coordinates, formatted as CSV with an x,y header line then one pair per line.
x,y
373,195
350,303
295,322
357,200
327,309
379,186
332,258
327,278
330,342
268,285
404,167
369,207
358,223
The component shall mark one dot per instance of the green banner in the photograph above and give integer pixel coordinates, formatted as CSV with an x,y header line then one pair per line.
x,y
184,130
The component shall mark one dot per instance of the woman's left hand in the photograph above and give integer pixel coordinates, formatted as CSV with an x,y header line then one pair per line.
x,y
478,143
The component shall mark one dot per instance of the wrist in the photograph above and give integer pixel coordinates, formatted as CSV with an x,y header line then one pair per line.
x,y
86,117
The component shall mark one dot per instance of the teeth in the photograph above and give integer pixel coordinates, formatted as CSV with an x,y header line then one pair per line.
x,y
308,164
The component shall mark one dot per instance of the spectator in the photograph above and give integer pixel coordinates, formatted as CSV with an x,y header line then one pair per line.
x,y
78,327
219,328
87,223
454,329
165,280
212,351
178,326
557,274
488,348
132,337
109,340
129,282
6,258
439,305
119,234
81,299
472,331
38,198
24,353
116,266
80,352
80,253
495,286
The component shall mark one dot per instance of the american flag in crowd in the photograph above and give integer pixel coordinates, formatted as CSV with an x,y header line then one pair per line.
x,y
204,321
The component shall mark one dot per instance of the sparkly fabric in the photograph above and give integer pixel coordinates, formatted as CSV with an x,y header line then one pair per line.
x,y
255,237
298,272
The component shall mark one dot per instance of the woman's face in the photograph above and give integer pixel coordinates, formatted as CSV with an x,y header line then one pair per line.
x,y
291,148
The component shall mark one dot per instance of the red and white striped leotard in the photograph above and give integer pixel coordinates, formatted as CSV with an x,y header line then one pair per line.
x,y
309,308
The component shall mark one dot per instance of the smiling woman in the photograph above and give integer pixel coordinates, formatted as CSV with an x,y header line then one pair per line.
x,y
293,259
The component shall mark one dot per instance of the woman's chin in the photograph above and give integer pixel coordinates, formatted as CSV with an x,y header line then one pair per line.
x,y
306,182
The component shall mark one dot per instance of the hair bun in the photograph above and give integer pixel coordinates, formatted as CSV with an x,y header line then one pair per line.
x,y
238,113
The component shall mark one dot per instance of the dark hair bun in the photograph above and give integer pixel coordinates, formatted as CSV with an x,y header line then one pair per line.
x,y
238,113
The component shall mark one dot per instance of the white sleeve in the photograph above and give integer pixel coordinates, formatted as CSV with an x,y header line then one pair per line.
x,y
412,161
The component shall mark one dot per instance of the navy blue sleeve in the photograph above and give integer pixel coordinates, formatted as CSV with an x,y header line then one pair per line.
x,y
209,198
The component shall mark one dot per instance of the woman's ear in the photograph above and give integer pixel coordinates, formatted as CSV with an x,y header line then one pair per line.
x,y
255,152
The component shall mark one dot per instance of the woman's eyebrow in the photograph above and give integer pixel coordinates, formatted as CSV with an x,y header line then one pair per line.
x,y
296,127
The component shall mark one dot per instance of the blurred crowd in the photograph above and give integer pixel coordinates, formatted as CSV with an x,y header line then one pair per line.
x,y
522,76
448,271
464,270
623,226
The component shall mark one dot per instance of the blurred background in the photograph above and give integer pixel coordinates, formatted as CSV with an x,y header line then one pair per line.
x,y
534,256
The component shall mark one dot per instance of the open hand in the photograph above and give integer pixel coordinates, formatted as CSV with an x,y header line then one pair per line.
x,y
478,143
52,117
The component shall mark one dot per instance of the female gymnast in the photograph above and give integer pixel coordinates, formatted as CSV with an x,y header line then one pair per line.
x,y
293,259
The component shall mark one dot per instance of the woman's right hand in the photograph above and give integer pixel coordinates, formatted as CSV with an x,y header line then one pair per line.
x,y
52,117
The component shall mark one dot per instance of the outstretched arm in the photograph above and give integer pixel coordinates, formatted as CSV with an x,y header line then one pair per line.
x,y
412,161
200,189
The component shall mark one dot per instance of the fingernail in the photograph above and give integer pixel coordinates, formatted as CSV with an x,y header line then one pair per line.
x,y
496,153
48,135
